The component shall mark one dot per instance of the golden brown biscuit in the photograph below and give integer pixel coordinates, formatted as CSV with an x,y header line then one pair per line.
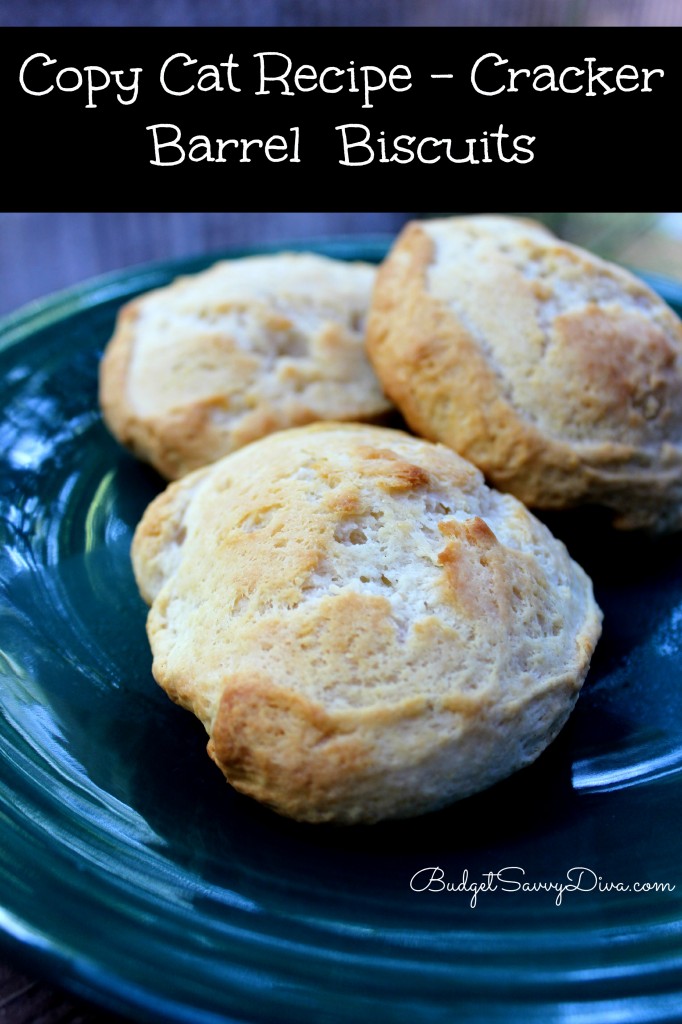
x,y
365,629
199,368
556,373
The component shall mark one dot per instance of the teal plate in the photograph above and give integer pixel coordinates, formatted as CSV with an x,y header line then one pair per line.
x,y
132,873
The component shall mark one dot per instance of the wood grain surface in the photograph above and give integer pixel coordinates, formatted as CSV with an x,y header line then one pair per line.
x,y
350,12
26,1000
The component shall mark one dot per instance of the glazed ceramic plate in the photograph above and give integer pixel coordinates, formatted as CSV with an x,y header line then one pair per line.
x,y
129,869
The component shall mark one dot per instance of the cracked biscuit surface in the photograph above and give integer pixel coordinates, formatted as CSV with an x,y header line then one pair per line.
x,y
365,629
220,358
558,374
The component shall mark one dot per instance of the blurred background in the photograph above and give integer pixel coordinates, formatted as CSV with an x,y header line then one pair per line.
x,y
44,252
350,12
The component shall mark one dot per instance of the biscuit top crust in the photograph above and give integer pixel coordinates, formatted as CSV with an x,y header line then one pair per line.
x,y
369,587
583,349
559,375
220,358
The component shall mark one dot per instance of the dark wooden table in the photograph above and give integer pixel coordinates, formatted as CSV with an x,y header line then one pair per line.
x,y
351,12
27,1000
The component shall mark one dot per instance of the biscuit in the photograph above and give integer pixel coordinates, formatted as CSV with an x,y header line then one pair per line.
x,y
365,629
558,374
213,361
